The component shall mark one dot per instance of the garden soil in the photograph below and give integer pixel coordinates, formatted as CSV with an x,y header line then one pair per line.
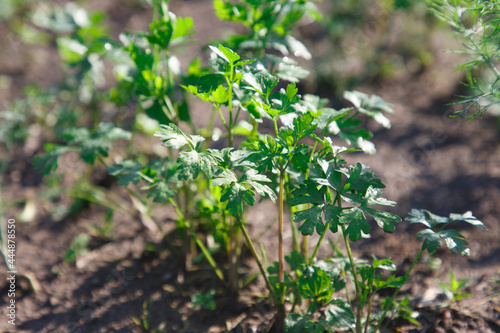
x,y
427,160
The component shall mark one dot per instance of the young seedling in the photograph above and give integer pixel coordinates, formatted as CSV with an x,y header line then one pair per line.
x,y
454,291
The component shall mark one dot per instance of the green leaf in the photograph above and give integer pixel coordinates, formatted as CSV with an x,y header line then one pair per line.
x,y
184,26
220,95
425,217
92,145
252,81
315,283
370,198
361,178
224,178
172,136
330,177
328,115
127,172
385,220
431,220
390,282
358,225
236,195
71,50
386,264
303,126
431,240
161,32
455,241
312,218
308,193
191,163
225,53
469,218
332,216
141,57
298,323
49,161
288,69
373,106
295,260
339,314
203,95
161,192
252,178
297,48
300,158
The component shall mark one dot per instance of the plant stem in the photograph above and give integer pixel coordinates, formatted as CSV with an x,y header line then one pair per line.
x,y
316,249
280,226
305,246
198,241
187,240
359,310
256,257
396,292
233,276
367,323
293,209
281,311
230,107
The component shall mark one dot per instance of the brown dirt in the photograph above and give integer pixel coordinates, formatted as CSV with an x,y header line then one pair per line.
x,y
427,160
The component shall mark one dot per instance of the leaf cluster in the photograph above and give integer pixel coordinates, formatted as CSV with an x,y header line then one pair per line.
x,y
437,230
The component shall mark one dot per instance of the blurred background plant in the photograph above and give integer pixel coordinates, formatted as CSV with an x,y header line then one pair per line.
x,y
365,40
476,24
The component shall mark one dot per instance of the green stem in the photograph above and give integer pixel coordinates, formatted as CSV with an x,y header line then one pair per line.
x,y
305,246
256,257
359,310
233,276
187,241
230,107
293,210
198,241
281,311
280,227
396,292
316,249
221,115
275,122
367,323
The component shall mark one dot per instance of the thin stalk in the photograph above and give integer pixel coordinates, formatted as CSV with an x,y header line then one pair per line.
x,y
255,126
280,227
316,249
188,243
281,311
198,241
222,118
293,209
230,106
359,310
336,249
305,246
367,323
233,276
275,126
256,257
396,292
